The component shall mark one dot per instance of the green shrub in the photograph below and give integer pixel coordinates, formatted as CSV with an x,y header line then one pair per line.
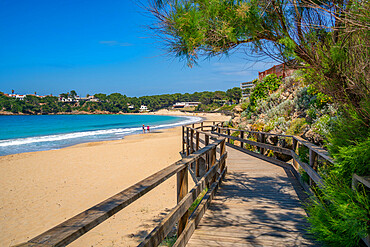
x,y
322,125
297,126
338,215
262,88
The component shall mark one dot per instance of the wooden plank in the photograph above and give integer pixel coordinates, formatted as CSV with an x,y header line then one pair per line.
x,y
78,225
310,171
73,228
320,151
182,190
197,141
365,180
262,140
241,137
198,213
183,139
191,140
187,142
162,230
295,148
257,144
257,132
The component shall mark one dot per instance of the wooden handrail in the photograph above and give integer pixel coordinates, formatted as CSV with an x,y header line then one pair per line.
x,y
314,151
162,230
73,228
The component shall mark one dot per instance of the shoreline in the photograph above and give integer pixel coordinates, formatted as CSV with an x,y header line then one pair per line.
x,y
84,135
39,190
158,112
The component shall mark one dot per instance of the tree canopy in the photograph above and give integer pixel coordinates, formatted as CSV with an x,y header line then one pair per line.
x,y
330,38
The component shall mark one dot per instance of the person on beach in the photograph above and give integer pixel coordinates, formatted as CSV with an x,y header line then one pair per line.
x,y
143,129
147,128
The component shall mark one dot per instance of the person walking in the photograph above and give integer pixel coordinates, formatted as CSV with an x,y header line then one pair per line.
x,y
143,129
147,128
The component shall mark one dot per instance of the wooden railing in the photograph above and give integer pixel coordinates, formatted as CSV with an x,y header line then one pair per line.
x,y
259,140
73,228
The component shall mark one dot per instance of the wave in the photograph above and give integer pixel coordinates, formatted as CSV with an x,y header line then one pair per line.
x,y
86,134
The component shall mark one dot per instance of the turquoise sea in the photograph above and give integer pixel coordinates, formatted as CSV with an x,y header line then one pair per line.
x,y
19,134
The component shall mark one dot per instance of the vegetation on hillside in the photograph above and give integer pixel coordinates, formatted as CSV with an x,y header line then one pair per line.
x,y
115,102
330,41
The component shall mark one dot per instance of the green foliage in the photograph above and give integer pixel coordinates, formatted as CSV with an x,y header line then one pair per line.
x,y
195,204
303,153
339,216
297,126
234,94
115,102
263,88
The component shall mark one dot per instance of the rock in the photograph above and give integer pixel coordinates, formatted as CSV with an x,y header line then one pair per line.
x,y
313,137
235,121
238,108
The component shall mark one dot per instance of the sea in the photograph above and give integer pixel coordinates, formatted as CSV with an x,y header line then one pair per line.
x,y
20,134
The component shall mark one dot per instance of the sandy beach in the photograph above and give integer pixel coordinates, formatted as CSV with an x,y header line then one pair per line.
x,y
42,189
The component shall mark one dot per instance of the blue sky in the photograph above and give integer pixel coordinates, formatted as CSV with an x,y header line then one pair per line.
x,y
100,47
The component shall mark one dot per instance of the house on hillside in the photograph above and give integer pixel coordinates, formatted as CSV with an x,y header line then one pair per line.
x,y
90,98
280,70
185,104
17,96
143,108
246,88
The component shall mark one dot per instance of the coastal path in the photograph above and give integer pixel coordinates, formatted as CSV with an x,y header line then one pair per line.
x,y
245,193
259,204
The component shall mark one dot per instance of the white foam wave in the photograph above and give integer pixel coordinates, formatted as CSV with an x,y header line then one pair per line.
x,y
61,137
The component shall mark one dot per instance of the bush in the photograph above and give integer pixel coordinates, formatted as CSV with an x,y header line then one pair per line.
x,y
262,89
339,216
297,126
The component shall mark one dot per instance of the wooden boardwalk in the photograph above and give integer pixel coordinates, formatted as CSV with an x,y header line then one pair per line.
x,y
258,204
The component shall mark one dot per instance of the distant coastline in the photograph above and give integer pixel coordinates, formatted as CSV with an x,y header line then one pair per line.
x,y
8,113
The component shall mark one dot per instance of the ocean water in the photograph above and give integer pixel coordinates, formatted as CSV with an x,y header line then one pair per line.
x,y
19,134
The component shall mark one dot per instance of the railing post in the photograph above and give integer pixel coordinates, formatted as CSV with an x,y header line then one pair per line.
x,y
201,126
192,141
262,140
218,129
183,139
295,148
213,162
187,141
206,142
182,190
228,133
241,137
192,126
313,162
197,141
222,151
197,148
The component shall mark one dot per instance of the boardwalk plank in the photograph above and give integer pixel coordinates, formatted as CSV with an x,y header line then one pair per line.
x,y
259,204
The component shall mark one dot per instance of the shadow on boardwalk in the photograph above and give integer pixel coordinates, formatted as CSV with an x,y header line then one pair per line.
x,y
258,204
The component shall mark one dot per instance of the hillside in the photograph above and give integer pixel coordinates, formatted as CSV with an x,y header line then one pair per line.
x,y
286,107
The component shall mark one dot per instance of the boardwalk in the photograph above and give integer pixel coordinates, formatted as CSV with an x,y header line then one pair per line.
x,y
259,204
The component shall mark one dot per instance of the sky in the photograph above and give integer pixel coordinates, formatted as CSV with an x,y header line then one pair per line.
x,y
53,47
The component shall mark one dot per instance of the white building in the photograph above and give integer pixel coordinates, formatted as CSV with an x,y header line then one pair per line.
x,y
17,96
246,87
185,104
143,108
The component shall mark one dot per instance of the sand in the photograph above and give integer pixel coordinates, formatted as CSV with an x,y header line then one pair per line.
x,y
42,189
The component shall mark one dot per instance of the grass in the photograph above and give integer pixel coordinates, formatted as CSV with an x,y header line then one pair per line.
x,y
197,201
171,240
